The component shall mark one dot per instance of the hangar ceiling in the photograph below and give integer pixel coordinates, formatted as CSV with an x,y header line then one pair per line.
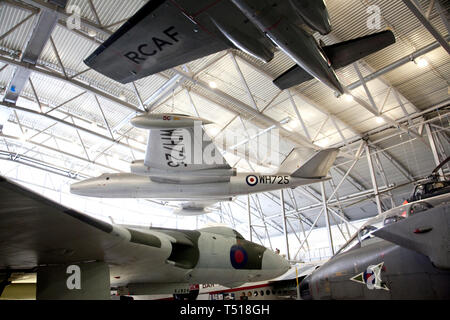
x,y
74,122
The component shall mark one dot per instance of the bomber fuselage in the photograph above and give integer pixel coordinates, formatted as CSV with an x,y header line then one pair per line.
x,y
210,255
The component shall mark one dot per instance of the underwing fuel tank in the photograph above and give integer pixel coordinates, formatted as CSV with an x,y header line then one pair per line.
x,y
314,13
167,121
251,46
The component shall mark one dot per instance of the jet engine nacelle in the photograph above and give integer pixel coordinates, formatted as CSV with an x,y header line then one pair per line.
x,y
191,212
252,46
314,13
167,121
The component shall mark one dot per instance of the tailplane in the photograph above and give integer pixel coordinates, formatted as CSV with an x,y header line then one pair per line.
x,y
339,55
308,163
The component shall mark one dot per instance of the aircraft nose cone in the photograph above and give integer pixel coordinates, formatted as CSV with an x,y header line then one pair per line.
x,y
275,262
305,292
76,187
81,188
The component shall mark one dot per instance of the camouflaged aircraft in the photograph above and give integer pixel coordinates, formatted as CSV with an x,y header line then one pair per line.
x,y
401,254
164,34
76,256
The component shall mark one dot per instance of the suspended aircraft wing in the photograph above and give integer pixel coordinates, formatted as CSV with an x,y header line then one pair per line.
x,y
160,36
35,231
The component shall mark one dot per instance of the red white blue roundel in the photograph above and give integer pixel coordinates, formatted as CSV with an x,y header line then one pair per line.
x,y
252,180
238,257
369,277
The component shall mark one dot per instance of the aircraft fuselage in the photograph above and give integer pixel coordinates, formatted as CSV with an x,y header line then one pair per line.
x,y
379,270
218,255
127,185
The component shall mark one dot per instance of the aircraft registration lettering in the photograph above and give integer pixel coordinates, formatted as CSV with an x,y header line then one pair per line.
x,y
253,180
174,143
157,44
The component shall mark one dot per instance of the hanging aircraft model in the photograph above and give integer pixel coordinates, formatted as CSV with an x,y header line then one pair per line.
x,y
400,254
78,257
164,34
180,165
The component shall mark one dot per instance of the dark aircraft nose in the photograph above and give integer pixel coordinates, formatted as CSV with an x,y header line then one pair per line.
x,y
305,292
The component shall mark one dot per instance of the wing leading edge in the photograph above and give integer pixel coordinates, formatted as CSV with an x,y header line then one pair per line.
x,y
36,231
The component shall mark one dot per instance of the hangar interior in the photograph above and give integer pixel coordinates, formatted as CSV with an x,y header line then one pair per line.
x,y
64,122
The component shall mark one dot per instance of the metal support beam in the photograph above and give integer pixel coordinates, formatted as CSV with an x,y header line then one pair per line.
x,y
71,125
244,82
17,26
327,217
434,150
309,233
164,91
285,229
384,177
443,13
66,102
443,42
294,105
55,50
374,180
104,117
366,88
295,137
398,63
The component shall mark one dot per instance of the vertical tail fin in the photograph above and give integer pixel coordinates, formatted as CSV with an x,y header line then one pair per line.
x,y
308,163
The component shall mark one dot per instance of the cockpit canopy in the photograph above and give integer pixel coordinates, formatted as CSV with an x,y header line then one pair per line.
x,y
225,231
429,189
392,216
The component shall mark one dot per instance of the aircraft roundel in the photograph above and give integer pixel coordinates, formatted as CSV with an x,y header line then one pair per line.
x,y
238,257
369,277
252,180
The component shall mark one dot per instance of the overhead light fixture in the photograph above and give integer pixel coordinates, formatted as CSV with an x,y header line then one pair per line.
x,y
141,139
349,97
421,62
123,97
92,33
213,85
286,120
213,130
379,120
323,142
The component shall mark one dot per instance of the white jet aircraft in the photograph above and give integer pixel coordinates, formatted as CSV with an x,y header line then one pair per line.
x,y
180,165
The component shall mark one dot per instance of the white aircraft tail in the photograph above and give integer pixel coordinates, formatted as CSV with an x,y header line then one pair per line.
x,y
308,163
